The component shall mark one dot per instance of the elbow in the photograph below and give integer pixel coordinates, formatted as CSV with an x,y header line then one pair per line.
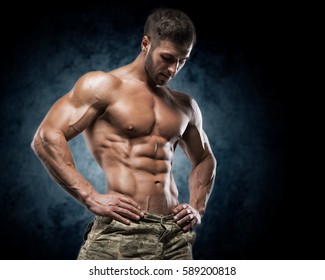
x,y
36,143
214,164
213,161
213,167
205,170
41,139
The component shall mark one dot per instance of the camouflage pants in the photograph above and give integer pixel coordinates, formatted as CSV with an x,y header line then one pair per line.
x,y
153,237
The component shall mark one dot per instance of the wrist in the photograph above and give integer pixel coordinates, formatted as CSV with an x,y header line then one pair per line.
x,y
89,196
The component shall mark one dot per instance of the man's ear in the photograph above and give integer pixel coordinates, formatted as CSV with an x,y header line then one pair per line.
x,y
145,43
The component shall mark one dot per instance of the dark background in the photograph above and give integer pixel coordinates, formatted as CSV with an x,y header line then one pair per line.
x,y
237,74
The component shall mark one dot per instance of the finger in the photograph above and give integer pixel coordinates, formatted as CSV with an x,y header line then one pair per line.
x,y
190,224
137,212
179,208
182,214
127,214
187,227
119,218
185,220
129,201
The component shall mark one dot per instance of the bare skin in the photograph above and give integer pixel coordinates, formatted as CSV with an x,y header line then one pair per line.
x,y
132,124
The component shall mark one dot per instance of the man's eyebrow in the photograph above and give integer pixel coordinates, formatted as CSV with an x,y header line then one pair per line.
x,y
171,55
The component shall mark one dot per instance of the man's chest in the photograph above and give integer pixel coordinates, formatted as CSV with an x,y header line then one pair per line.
x,y
144,114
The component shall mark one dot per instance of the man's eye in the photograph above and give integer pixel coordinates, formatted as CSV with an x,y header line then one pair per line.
x,y
168,58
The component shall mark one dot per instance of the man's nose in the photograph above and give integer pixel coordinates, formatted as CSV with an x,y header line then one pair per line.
x,y
173,67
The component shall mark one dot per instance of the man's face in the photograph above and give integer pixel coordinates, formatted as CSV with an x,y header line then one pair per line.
x,y
164,61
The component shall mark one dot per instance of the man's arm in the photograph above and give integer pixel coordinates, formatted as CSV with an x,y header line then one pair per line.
x,y
196,146
68,117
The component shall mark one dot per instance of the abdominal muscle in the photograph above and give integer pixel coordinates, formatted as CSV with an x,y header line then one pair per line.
x,y
140,168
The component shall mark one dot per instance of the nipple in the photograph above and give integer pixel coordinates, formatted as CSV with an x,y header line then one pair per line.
x,y
130,126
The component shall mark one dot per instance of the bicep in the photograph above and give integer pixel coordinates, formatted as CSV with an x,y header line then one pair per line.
x,y
195,144
67,118
75,111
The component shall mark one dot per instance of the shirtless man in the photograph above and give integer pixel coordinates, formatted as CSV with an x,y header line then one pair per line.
x,y
132,123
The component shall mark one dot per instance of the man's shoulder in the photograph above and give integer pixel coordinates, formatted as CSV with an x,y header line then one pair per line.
x,y
188,103
181,96
185,99
100,78
94,86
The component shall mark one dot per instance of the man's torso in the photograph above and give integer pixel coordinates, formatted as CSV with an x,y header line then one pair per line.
x,y
134,142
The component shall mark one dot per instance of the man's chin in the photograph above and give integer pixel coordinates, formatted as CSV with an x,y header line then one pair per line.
x,y
161,83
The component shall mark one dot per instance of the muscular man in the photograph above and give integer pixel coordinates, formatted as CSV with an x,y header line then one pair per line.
x,y
132,123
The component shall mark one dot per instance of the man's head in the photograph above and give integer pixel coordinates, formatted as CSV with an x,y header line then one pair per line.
x,y
169,36
171,25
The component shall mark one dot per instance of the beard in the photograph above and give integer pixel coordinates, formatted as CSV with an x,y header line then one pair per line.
x,y
149,68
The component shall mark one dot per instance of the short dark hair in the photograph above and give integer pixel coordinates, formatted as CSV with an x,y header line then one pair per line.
x,y
170,24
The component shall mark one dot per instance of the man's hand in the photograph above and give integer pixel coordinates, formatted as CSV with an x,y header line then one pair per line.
x,y
186,216
116,206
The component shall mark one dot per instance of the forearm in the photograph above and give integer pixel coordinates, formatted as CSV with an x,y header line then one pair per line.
x,y
201,182
52,149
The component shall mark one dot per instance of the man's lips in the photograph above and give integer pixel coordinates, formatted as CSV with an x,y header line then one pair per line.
x,y
166,76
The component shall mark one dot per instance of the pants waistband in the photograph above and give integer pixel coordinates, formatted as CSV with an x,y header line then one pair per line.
x,y
148,217
154,217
